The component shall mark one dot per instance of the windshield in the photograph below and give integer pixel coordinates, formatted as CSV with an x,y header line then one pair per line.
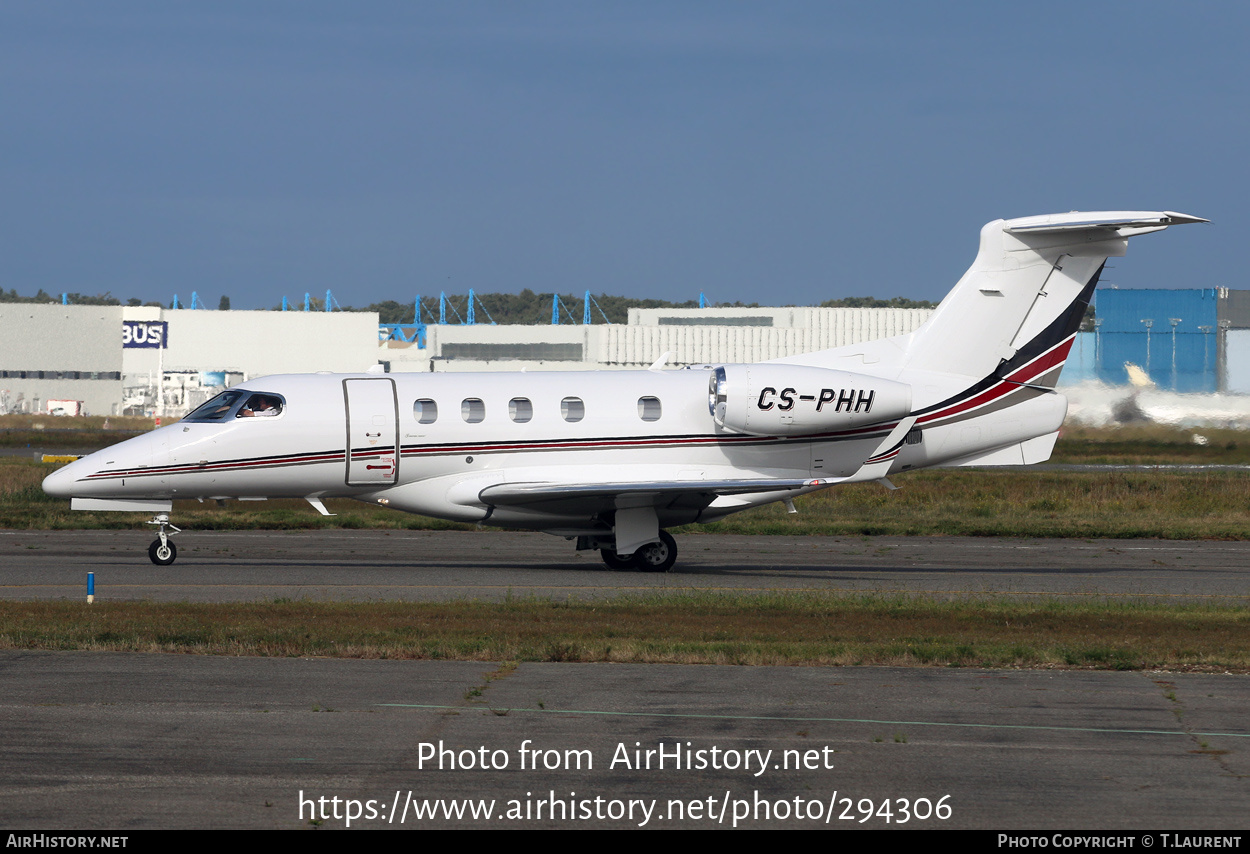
x,y
239,403
218,408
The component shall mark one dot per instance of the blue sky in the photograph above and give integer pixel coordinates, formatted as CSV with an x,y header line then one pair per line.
x,y
781,152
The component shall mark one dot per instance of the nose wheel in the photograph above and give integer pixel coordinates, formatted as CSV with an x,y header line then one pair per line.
x,y
163,552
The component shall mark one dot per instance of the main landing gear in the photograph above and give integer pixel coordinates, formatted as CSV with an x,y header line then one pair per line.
x,y
652,557
163,552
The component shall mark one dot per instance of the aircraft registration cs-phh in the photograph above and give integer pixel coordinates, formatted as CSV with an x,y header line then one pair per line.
x,y
612,458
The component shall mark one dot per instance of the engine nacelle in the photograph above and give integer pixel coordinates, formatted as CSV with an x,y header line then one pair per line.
x,y
787,400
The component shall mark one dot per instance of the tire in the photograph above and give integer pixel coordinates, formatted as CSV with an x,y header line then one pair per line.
x,y
615,561
657,557
162,556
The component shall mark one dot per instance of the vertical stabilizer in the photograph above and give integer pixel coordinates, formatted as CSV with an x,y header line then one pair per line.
x,y
1021,302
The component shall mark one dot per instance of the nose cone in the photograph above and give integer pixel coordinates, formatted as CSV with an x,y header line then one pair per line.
x,y
60,484
103,474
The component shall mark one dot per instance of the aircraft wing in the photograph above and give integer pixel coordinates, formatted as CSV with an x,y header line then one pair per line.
x,y
599,497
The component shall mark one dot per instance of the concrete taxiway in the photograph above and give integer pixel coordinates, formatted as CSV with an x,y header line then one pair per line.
x,y
425,565
128,741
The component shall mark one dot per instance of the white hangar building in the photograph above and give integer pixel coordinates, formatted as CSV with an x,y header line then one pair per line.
x,y
694,336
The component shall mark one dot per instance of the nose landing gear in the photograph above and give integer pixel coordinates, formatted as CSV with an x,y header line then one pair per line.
x,y
163,552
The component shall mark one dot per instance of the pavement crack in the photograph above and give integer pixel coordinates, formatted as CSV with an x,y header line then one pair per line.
x,y
1203,746
476,694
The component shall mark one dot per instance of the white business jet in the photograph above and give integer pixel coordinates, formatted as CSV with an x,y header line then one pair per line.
x,y
612,458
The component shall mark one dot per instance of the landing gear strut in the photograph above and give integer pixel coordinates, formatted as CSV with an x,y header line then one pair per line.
x,y
652,557
162,551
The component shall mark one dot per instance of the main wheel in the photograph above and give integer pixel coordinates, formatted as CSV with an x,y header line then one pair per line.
x,y
615,561
162,555
657,557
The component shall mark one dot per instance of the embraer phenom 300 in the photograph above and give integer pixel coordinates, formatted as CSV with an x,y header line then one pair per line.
x,y
612,458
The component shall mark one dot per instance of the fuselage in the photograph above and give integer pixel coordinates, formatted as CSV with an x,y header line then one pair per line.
x,y
429,443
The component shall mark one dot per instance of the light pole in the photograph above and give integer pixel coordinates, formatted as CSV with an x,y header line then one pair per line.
x,y
1206,352
1098,347
1175,321
1149,324
1221,355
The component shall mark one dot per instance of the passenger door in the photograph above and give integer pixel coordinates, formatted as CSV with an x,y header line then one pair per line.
x,y
372,431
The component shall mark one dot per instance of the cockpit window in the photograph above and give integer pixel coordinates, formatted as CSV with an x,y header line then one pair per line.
x,y
261,405
239,403
217,409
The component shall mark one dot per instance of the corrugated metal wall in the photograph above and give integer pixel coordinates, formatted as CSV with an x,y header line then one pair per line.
x,y
837,327
815,329
1124,310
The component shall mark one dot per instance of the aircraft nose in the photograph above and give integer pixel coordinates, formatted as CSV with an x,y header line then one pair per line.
x,y
76,479
60,484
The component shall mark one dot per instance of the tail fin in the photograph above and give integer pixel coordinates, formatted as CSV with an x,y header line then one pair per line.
x,y
1015,312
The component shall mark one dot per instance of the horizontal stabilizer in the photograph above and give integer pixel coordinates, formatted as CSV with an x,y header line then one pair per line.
x,y
1111,220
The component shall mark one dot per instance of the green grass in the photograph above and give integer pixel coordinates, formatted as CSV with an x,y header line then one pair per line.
x,y
83,434
987,502
1151,445
693,628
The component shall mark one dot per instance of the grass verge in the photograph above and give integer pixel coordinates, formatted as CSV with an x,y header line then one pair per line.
x,y
695,628
1178,505
1151,444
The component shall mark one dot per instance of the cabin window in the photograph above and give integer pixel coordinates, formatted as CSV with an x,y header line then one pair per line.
x,y
425,411
649,408
520,409
472,410
572,409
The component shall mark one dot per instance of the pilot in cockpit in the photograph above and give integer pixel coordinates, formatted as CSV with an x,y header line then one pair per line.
x,y
260,405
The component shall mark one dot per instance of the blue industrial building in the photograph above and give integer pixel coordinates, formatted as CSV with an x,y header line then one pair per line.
x,y
1171,334
1179,337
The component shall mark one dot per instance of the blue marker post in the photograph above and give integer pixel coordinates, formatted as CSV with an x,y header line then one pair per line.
x,y
90,587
